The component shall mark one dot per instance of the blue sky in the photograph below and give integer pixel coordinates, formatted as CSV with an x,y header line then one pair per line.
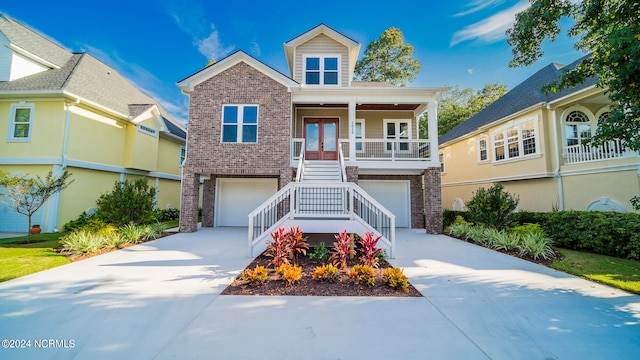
x,y
156,43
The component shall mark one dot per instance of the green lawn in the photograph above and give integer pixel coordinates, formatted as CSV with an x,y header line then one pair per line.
x,y
615,272
18,258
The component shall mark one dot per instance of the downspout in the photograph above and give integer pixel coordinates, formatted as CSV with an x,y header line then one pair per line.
x,y
556,172
54,202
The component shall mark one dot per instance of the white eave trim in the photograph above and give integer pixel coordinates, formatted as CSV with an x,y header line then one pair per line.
x,y
400,95
32,56
573,95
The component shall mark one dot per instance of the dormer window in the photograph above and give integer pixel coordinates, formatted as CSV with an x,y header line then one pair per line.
x,y
321,70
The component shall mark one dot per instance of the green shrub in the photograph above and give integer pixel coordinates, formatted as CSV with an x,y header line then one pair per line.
x,y
166,214
128,202
78,223
536,245
319,252
83,242
450,216
117,241
153,231
132,233
506,240
493,207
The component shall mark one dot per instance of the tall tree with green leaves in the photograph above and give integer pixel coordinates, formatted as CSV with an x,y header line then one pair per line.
x,y
26,194
457,105
607,29
388,59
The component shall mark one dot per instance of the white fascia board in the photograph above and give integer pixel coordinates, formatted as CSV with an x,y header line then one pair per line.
x,y
187,85
33,57
575,96
322,29
385,95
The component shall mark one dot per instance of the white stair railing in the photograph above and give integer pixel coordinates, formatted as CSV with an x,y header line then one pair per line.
x,y
323,202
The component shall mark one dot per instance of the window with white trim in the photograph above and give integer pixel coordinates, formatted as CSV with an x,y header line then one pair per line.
x,y
397,130
21,122
483,149
359,135
322,70
240,123
441,159
577,128
517,141
183,155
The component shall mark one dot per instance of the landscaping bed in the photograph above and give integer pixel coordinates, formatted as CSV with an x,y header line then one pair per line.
x,y
306,286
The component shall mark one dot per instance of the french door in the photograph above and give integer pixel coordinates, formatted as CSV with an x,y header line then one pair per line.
x,y
321,139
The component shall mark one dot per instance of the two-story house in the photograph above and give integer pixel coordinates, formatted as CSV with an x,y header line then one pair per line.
x,y
539,147
311,148
69,111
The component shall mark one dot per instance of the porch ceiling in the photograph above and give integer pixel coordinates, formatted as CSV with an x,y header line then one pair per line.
x,y
364,106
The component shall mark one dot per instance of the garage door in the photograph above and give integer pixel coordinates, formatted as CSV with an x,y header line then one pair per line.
x,y
236,198
394,195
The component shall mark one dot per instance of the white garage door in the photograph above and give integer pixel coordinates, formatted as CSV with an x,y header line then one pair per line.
x,y
12,221
392,194
236,198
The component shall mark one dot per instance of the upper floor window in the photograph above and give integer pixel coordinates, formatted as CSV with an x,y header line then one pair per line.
x,y
240,123
483,149
183,155
441,159
21,122
515,142
577,128
321,70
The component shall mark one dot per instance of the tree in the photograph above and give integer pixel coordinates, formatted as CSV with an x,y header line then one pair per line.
x,y
457,105
388,59
607,29
128,203
26,194
210,62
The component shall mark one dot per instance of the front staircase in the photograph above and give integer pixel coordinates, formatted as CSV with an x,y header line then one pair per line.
x,y
321,201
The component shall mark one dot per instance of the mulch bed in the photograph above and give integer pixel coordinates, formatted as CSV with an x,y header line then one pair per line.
x,y
306,286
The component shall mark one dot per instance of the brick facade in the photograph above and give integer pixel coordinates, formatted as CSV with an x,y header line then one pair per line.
x,y
208,156
433,201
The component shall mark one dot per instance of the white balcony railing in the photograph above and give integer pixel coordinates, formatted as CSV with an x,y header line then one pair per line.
x,y
585,152
377,150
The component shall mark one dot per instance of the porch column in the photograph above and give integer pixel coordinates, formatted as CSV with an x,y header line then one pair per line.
x,y
189,201
433,201
432,109
352,131
208,201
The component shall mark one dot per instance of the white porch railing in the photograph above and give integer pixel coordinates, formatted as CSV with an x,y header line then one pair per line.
x,y
324,202
585,152
389,150
377,150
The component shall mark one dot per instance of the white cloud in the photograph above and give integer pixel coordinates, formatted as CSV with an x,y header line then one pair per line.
x,y
211,47
477,5
492,28
470,71
255,48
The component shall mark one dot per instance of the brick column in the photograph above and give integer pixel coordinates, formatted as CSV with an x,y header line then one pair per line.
x,y
208,201
433,200
352,174
417,202
189,201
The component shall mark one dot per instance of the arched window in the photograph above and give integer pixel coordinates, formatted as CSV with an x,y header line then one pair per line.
x,y
578,128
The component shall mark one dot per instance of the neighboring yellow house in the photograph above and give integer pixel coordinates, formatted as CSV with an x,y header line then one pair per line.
x,y
537,146
69,111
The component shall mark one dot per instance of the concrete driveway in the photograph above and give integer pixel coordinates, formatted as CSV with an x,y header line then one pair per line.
x,y
160,300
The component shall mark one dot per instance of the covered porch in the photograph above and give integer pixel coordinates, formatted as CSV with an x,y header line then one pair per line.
x,y
375,128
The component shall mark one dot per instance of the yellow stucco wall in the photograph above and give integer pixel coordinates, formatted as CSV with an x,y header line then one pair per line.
x,y
168,194
82,194
96,138
168,161
617,186
47,130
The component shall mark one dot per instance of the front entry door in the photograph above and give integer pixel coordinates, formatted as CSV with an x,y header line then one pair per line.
x,y
321,138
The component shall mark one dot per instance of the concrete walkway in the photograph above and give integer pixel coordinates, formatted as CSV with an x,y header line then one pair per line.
x,y
160,300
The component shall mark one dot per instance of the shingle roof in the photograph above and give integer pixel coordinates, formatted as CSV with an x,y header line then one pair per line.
x,y
80,74
33,42
524,95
